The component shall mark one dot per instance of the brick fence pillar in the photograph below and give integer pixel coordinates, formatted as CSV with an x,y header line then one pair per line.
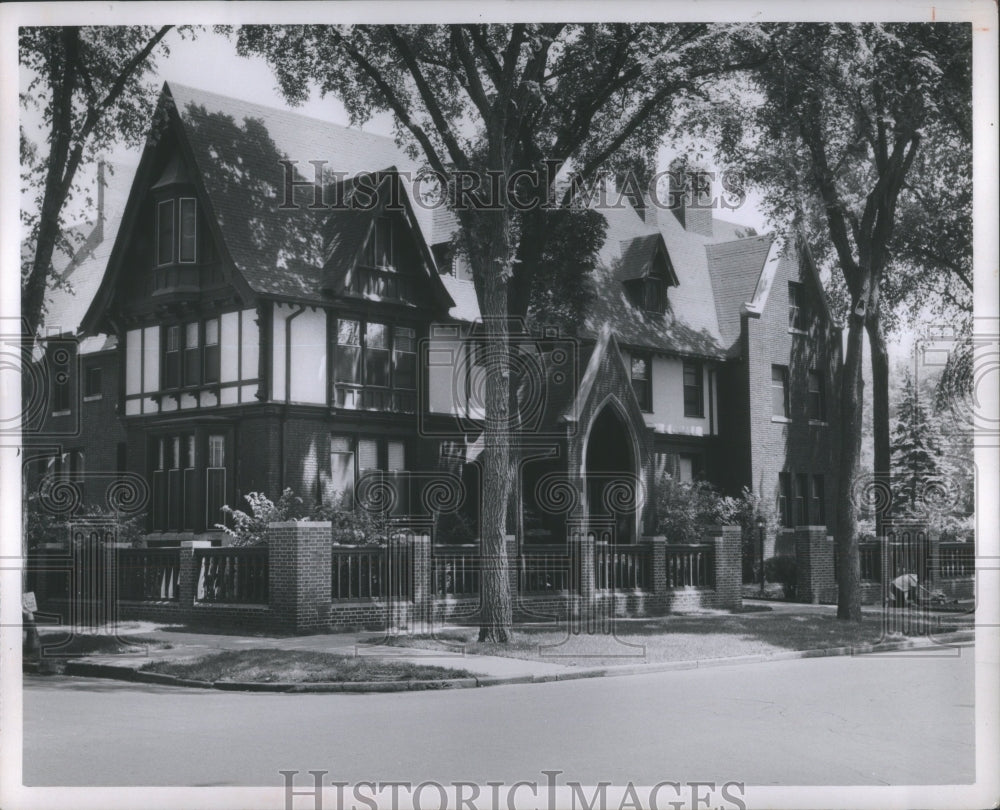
x,y
813,563
422,607
728,566
299,559
187,574
656,559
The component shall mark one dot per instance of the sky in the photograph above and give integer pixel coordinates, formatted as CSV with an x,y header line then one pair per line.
x,y
209,62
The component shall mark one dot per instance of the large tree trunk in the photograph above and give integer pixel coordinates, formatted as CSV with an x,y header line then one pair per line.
x,y
496,623
851,410
880,419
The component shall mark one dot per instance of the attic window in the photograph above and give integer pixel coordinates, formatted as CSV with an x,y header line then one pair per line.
x,y
648,294
177,231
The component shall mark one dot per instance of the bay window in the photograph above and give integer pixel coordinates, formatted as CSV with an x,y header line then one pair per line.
x,y
375,366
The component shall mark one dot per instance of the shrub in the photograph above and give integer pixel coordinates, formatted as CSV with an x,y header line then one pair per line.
x,y
352,524
250,528
43,526
684,509
784,570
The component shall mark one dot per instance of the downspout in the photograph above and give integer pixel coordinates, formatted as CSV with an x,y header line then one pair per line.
x,y
288,391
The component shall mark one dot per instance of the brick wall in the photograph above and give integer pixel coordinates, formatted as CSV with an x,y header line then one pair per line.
x,y
796,445
814,565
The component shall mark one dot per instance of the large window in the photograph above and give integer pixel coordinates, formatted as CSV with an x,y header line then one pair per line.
x,y
694,389
177,231
189,481
817,403
377,360
779,391
796,307
191,354
352,458
642,381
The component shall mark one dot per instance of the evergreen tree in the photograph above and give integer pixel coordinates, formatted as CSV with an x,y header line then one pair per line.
x,y
916,451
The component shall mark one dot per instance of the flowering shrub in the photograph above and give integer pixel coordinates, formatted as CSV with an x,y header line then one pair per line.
x,y
684,509
250,528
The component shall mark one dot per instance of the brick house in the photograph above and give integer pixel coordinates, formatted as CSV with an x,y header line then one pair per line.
x,y
249,347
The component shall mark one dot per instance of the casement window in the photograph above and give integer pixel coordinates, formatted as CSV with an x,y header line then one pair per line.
x,y
191,354
796,307
817,400
694,389
165,232
211,362
187,241
379,252
172,357
642,381
801,500
404,357
653,295
779,391
379,360
785,500
215,480
177,231
92,383
817,505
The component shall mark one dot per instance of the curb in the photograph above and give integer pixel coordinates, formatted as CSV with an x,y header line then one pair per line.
x,y
92,670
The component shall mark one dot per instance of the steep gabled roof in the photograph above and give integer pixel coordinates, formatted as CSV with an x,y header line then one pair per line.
x,y
240,153
690,325
735,267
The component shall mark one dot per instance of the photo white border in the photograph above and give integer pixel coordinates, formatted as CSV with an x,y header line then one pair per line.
x,y
982,15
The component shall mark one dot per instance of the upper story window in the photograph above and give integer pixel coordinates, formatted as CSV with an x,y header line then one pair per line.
x,y
642,381
779,391
694,389
177,231
817,400
797,319
785,500
61,365
92,383
190,354
374,355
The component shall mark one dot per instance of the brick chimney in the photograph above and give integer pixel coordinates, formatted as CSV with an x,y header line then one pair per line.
x,y
635,189
691,196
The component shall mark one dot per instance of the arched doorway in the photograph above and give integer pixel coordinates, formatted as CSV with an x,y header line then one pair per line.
x,y
611,475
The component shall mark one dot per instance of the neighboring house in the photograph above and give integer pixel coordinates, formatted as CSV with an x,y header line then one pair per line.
x,y
72,429
263,348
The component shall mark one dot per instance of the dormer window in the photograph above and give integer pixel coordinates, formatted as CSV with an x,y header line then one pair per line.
x,y
647,272
177,231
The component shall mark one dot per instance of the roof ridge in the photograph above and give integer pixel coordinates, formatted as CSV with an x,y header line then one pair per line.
x,y
281,111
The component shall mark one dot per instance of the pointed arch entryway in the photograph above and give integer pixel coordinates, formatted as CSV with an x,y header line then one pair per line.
x,y
612,474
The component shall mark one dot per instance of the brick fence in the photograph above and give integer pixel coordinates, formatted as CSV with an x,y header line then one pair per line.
x,y
302,583
946,567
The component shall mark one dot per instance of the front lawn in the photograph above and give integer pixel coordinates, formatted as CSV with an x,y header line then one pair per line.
x,y
299,666
687,638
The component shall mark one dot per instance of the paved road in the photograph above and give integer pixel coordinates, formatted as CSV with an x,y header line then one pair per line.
x,y
895,719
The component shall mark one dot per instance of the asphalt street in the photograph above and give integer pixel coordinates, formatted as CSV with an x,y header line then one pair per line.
x,y
895,719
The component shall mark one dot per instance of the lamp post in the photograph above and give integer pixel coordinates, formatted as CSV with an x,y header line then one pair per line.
x,y
760,539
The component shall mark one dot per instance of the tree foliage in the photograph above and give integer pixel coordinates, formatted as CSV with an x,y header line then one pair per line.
x,y
90,86
482,99
843,113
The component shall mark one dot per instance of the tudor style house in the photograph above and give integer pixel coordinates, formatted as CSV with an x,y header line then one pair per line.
x,y
254,346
